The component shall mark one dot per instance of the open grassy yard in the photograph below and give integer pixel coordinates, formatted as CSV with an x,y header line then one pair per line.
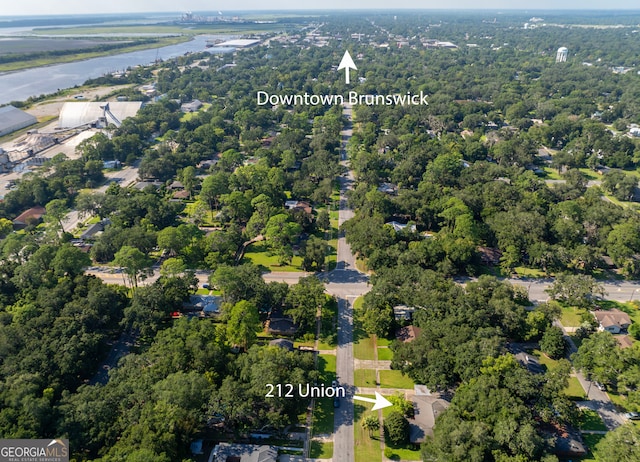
x,y
321,450
364,378
574,390
402,453
591,441
259,255
385,354
571,316
395,379
590,420
323,410
367,449
364,348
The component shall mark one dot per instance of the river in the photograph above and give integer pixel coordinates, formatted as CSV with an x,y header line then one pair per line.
x,y
20,85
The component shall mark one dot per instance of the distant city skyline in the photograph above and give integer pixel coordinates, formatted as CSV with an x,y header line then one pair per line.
x,y
48,7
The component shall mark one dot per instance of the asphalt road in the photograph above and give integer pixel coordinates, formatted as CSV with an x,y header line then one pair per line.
x,y
346,283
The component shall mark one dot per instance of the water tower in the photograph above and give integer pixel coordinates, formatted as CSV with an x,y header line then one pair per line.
x,y
561,55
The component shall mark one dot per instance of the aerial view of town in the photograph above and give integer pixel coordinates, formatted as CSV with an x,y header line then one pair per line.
x,y
315,235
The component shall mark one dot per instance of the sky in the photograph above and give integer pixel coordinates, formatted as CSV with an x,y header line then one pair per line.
x,y
47,7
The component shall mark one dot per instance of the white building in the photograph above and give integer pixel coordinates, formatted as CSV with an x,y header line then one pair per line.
x,y
12,119
562,54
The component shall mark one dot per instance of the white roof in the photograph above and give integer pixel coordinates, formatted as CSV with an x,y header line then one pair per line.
x,y
76,114
239,43
12,118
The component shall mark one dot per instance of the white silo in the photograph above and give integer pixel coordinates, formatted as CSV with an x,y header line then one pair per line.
x,y
561,55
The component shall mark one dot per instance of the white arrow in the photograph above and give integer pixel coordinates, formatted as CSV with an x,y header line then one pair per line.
x,y
379,403
347,63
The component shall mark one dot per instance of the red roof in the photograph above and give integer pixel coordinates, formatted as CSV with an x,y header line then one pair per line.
x,y
33,214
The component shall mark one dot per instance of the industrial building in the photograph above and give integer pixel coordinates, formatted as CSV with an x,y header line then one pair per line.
x,y
78,114
13,119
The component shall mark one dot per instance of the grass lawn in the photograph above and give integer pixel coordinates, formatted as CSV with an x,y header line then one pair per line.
x,y
385,354
545,360
591,441
358,302
574,390
590,174
395,379
327,367
259,255
364,378
383,342
320,450
403,453
571,316
367,449
619,400
551,174
529,272
323,409
590,420
364,348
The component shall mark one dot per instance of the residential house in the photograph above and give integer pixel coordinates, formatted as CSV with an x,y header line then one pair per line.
x,y
299,205
232,452
408,333
193,106
614,321
426,408
282,343
403,312
31,216
398,227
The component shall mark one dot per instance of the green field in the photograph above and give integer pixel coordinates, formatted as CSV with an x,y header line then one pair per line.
x,y
591,441
76,55
323,410
364,378
385,354
364,348
367,449
395,379
321,450
574,390
259,255
590,420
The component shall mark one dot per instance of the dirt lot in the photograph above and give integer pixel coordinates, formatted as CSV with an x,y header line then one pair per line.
x,y
51,108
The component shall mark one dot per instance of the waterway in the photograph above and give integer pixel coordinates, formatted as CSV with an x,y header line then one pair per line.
x,y
20,85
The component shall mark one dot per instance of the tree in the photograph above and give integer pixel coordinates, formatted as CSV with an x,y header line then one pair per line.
x,y
213,187
621,444
323,221
552,342
242,324
315,252
280,231
371,424
57,209
396,428
6,226
188,178
599,357
306,298
575,289
134,262
69,260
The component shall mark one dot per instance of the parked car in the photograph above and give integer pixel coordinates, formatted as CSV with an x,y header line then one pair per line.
x,y
600,386
632,415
